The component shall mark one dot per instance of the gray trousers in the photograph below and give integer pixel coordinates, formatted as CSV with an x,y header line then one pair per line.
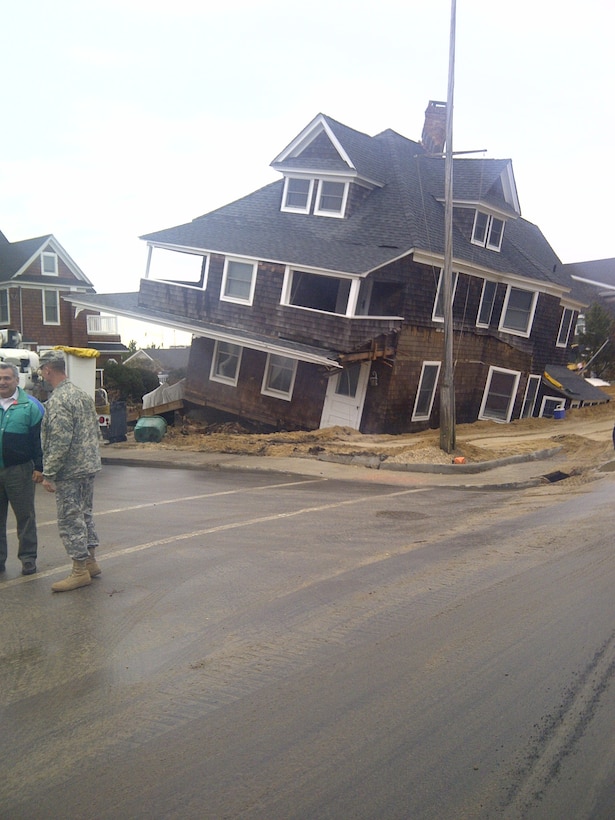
x,y
17,489
74,505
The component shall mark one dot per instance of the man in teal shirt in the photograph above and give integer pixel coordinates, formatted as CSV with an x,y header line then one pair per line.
x,y
21,465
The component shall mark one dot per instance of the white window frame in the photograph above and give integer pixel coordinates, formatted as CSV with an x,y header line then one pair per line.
x,y
102,325
214,376
511,401
4,294
565,328
292,208
349,304
528,411
425,417
46,320
558,400
224,297
482,301
54,258
266,389
338,214
485,238
515,331
437,317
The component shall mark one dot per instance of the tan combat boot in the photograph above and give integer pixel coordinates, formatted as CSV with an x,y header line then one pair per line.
x,y
79,577
91,564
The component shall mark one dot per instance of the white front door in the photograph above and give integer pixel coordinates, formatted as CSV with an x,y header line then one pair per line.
x,y
345,396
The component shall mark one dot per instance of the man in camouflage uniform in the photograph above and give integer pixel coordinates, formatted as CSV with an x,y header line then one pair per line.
x,y
70,437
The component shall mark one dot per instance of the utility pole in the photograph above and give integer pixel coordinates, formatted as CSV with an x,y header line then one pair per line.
x,y
447,386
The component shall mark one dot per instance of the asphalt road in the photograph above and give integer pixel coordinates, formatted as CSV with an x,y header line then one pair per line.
x,y
275,646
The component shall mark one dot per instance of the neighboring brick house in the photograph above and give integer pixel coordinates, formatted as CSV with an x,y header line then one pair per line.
x,y
316,300
35,276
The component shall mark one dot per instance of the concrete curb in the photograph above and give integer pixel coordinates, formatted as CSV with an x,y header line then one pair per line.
x,y
377,463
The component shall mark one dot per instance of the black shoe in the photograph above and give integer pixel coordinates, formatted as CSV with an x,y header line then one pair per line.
x,y
29,568
2,568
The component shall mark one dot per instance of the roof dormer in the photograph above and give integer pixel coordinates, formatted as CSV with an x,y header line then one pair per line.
x,y
319,169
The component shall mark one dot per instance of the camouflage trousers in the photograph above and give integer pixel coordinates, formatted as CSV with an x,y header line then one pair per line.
x,y
74,504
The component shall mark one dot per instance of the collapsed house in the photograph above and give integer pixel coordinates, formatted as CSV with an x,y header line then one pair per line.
x,y
317,300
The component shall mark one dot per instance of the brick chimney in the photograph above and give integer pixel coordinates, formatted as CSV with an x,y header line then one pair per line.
x,y
433,138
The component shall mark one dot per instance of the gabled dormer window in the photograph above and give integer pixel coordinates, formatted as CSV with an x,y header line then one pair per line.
x,y
331,198
297,195
487,231
49,264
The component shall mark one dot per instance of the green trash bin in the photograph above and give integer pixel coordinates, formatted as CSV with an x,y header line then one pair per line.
x,y
150,428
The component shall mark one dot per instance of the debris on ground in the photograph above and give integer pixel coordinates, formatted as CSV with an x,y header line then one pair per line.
x,y
584,436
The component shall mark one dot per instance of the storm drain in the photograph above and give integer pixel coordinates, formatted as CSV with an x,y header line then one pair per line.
x,y
557,475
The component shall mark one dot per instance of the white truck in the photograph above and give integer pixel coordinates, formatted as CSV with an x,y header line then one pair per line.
x,y
25,360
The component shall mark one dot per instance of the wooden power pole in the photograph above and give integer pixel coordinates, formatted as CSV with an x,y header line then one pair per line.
x,y
447,384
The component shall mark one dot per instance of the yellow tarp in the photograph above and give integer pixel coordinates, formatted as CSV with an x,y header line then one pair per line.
x,y
83,352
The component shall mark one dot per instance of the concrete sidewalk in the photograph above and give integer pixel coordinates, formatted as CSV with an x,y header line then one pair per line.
x,y
516,472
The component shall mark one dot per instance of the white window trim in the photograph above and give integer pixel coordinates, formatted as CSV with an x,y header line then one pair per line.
x,y
8,307
531,380
491,245
288,208
564,343
353,295
235,299
511,404
426,417
513,331
216,377
57,295
278,394
561,403
102,325
438,318
487,241
480,306
335,214
49,255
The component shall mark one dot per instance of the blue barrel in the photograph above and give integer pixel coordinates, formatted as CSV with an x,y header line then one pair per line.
x,y
150,428
559,414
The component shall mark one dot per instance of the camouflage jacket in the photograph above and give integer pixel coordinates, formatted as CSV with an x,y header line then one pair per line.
x,y
70,434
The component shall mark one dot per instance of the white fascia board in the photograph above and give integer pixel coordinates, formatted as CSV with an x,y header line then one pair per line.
x,y
434,260
332,176
53,243
223,336
510,187
31,260
257,259
490,209
68,260
309,133
169,246
603,285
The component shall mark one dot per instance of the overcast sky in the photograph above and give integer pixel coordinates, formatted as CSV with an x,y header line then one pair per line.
x,y
129,116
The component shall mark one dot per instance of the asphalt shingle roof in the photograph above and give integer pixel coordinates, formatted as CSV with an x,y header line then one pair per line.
x,y
575,386
404,214
14,255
